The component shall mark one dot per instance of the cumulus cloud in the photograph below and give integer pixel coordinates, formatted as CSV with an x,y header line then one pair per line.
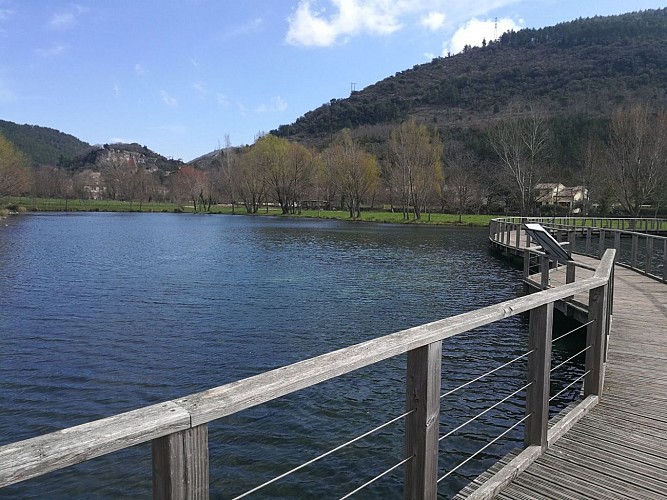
x,y
433,21
475,30
323,23
310,26
66,19
168,99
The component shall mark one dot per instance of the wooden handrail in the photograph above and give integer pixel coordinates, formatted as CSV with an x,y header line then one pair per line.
x,y
181,423
650,265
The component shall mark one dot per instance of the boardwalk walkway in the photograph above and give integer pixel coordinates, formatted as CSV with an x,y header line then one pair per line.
x,y
619,448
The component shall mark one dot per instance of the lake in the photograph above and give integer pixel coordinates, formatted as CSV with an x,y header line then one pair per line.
x,y
102,313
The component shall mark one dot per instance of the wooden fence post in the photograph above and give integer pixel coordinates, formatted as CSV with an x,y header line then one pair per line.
x,y
422,426
539,367
596,338
544,271
633,251
602,243
180,465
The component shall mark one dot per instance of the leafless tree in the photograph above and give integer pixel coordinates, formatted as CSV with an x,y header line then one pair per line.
x,y
637,155
416,167
522,143
355,171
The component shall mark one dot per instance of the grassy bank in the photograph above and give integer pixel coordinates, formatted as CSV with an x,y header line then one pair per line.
x,y
61,205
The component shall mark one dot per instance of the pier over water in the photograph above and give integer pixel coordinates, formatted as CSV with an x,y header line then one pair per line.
x,y
595,288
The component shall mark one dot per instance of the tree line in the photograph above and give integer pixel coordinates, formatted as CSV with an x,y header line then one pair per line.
x,y
413,170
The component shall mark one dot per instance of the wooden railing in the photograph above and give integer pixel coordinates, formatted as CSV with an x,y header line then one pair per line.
x,y
178,429
640,244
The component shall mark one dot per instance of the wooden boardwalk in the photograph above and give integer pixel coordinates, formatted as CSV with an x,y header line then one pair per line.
x,y
619,448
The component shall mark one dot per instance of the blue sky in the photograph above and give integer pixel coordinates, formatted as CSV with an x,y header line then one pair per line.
x,y
179,76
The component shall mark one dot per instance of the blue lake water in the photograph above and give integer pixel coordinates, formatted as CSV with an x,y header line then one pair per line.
x,y
104,313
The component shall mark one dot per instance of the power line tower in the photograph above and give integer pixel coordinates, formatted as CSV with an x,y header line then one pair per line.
x,y
495,31
353,87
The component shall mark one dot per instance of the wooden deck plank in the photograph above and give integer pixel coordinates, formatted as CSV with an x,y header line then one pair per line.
x,y
619,448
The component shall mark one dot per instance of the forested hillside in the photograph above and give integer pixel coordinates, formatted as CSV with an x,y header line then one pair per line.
x,y
579,69
42,145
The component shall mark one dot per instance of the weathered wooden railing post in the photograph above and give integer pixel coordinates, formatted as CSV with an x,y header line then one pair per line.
x,y
601,243
180,465
596,338
571,242
544,271
589,233
539,367
422,426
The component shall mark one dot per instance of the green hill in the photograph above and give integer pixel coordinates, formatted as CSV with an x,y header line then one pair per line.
x,y
576,71
43,145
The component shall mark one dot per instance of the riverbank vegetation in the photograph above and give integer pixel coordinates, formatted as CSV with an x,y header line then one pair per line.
x,y
384,215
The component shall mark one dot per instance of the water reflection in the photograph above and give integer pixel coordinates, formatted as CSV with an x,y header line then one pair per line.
x,y
109,312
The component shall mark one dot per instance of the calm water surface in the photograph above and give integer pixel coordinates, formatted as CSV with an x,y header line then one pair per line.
x,y
104,313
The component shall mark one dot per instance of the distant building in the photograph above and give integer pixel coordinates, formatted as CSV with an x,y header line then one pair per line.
x,y
557,194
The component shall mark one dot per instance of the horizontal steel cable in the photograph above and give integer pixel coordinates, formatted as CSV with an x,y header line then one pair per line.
x,y
570,359
486,446
572,331
452,391
568,386
319,457
377,477
498,403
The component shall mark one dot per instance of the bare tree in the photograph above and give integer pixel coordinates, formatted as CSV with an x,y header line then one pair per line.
x,y
251,182
461,176
117,173
355,172
415,165
522,143
636,154
592,174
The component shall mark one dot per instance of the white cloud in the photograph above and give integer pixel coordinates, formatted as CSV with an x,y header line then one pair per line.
x,y
140,71
168,99
5,14
311,27
277,104
253,26
475,30
54,51
433,21
323,23
67,19
6,94
200,89
221,99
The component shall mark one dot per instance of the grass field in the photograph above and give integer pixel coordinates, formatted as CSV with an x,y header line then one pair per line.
x,y
76,205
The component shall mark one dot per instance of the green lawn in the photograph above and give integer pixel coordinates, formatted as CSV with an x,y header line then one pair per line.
x,y
76,205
